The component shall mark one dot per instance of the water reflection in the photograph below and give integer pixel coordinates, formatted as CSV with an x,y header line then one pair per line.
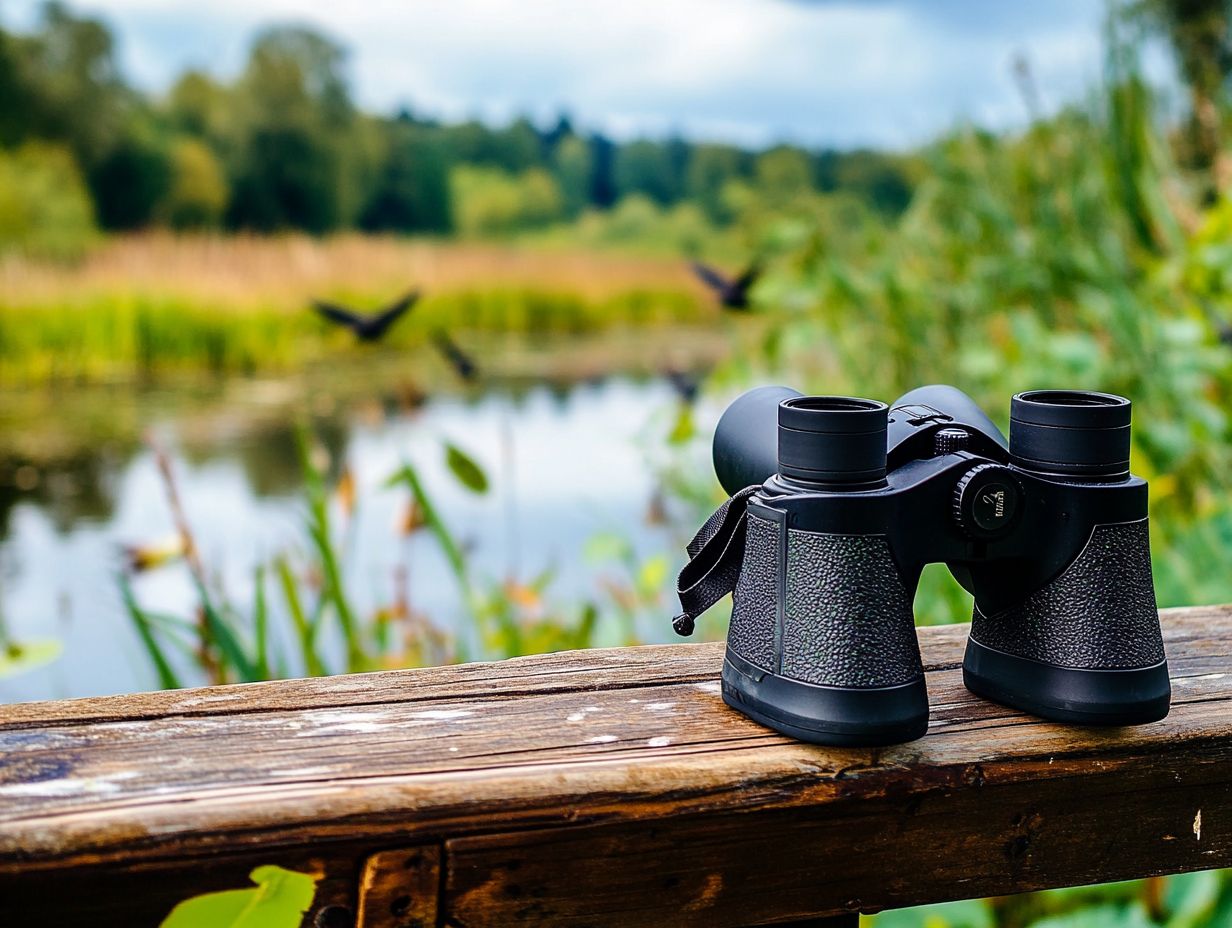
x,y
566,462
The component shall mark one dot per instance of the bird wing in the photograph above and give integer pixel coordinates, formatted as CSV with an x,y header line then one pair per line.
x,y
386,317
463,365
335,313
749,277
710,277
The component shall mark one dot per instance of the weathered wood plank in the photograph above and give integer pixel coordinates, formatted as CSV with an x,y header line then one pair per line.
x,y
570,671
618,769
400,889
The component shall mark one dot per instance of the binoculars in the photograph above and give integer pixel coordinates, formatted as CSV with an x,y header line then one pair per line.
x,y
839,502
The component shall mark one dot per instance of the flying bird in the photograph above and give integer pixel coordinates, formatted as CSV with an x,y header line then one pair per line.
x,y
733,293
462,363
367,328
685,384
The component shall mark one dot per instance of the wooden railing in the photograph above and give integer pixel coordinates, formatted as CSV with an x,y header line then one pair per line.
x,y
596,788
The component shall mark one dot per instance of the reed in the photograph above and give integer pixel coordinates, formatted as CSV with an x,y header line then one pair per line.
x,y
154,305
301,620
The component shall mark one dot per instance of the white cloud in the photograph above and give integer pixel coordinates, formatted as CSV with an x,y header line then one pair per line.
x,y
890,72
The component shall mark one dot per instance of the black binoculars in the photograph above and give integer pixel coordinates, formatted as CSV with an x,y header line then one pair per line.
x,y
839,502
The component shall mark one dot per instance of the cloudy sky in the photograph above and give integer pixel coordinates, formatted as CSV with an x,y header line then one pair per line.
x,y
880,72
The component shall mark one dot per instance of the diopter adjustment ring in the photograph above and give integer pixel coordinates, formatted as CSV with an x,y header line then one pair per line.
x,y
987,501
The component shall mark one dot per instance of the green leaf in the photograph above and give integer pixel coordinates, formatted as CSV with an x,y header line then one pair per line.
x,y
167,678
1099,916
313,665
222,635
23,656
408,476
970,913
469,474
1190,898
260,620
279,900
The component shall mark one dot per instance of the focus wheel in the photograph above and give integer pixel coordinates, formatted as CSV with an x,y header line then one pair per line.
x,y
987,501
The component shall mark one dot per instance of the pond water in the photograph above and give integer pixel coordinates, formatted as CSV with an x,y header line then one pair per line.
x,y
565,463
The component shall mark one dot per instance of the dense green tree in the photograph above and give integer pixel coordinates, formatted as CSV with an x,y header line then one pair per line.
x,y
710,169
883,181
284,147
520,147
603,190
45,208
783,173
65,85
412,190
489,201
295,112
574,165
197,193
646,167
200,106
131,180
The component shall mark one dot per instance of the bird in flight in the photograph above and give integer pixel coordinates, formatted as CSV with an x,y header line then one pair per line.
x,y
685,384
733,293
462,363
367,328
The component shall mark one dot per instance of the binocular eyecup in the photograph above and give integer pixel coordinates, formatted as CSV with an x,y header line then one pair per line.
x,y
831,442
1070,433
836,442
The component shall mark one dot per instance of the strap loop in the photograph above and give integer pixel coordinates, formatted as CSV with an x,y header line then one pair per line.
x,y
715,556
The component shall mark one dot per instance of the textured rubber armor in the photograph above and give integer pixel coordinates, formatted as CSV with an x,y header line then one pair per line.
x,y
848,619
755,600
1098,614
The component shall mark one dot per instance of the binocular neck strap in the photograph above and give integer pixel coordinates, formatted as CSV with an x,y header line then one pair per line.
x,y
715,555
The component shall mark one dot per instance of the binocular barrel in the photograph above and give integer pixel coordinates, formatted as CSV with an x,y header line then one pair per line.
x,y
825,441
1070,433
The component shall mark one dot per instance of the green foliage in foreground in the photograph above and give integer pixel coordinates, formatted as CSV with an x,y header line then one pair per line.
x,y
279,900
302,620
1189,900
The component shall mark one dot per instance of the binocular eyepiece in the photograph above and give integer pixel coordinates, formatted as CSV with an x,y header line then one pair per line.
x,y
830,442
842,442
1070,433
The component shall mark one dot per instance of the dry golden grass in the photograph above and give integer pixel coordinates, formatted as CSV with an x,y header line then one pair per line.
x,y
239,272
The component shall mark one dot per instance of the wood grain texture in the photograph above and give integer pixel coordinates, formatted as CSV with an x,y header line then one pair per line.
x,y
401,889
610,787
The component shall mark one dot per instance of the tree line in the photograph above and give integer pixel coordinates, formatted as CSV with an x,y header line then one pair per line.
x,y
284,146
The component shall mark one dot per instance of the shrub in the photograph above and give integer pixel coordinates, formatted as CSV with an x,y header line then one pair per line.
x,y
45,209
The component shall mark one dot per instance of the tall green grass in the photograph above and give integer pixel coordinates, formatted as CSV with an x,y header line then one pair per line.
x,y
135,336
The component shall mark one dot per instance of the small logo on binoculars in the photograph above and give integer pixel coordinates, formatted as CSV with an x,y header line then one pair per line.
x,y
996,500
